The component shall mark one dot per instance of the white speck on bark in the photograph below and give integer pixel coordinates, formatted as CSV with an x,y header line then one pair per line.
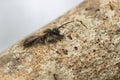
x,y
20,67
29,70
29,58
6,69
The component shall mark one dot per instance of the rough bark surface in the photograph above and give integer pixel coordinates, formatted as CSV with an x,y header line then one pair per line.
x,y
90,49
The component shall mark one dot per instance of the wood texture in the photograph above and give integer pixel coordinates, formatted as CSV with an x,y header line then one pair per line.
x,y
90,49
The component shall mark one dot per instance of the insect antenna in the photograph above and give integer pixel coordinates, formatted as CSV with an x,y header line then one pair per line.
x,y
64,24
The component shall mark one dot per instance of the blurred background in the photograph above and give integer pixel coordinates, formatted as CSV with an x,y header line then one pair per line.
x,y
21,17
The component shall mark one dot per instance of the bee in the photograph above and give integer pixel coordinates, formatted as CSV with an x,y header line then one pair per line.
x,y
49,36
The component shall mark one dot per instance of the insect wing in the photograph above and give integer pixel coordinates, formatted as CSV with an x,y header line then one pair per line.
x,y
30,41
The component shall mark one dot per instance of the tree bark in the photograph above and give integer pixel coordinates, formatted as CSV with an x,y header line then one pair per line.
x,y
86,47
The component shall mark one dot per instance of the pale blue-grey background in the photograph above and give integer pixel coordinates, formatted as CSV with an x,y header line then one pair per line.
x,y
21,17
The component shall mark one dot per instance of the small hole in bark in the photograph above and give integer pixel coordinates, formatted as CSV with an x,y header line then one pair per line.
x,y
65,51
69,36
57,51
76,48
118,64
118,31
105,18
97,9
55,76
88,8
111,7
94,50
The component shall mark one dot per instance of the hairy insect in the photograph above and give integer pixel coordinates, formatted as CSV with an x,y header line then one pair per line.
x,y
33,40
49,36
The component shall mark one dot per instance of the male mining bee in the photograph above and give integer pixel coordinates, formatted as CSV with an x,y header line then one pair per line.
x,y
49,36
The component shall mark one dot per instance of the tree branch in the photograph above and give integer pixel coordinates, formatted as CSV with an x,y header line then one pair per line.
x,y
88,48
